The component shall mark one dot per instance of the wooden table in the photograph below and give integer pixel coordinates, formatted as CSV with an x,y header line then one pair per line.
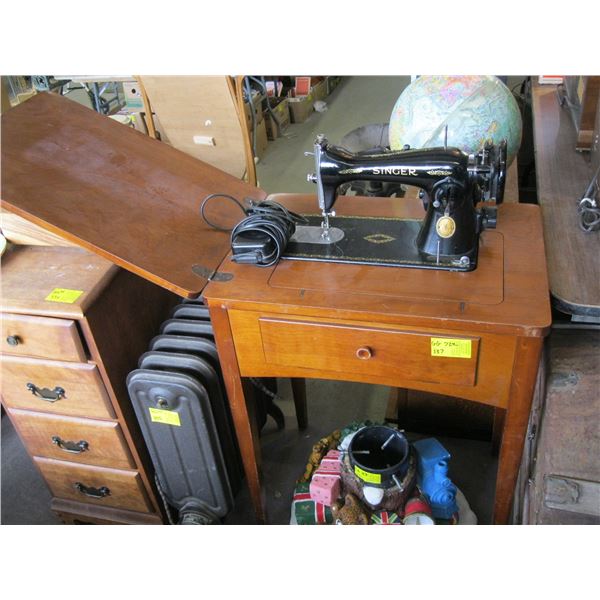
x,y
562,177
375,325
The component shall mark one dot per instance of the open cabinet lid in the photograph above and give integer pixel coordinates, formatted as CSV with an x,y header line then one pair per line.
x,y
108,188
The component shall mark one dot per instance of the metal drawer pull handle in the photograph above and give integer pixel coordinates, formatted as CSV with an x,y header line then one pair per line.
x,y
92,492
364,353
13,340
46,394
72,447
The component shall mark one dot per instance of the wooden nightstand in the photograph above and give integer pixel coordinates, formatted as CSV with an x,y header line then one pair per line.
x,y
64,361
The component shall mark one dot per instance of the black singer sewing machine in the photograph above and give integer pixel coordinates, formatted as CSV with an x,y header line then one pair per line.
x,y
452,184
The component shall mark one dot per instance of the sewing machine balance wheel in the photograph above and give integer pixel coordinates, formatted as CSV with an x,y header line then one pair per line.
x,y
498,174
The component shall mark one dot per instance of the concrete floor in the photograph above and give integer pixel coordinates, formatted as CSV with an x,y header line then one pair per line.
x,y
356,101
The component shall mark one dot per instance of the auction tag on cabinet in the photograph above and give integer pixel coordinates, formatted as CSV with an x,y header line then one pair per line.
x,y
168,417
366,476
451,347
63,295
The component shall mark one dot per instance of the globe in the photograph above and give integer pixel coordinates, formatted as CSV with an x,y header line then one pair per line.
x,y
475,108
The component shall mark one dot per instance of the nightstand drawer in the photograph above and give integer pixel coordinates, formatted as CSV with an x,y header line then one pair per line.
x,y
369,351
94,485
99,443
44,337
56,387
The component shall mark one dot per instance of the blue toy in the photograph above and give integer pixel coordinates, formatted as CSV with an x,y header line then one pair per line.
x,y
432,478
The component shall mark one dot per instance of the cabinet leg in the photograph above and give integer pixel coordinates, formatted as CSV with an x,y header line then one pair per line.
x,y
527,361
245,429
497,429
396,409
299,394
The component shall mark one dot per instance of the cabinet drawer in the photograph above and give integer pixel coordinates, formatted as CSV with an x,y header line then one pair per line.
x,y
78,440
368,351
94,485
25,335
84,392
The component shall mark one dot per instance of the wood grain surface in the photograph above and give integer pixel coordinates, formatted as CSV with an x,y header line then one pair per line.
x,y
373,351
41,337
562,178
21,231
118,328
106,445
78,513
31,273
331,357
527,362
85,394
190,106
355,291
241,402
589,107
569,438
115,191
126,489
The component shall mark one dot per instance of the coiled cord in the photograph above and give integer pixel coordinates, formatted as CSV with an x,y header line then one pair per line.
x,y
261,237
589,215
589,208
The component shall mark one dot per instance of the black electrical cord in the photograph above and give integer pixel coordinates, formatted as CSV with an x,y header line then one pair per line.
x,y
211,197
261,237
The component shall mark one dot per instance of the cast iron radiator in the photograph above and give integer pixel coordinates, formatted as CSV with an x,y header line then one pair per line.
x,y
180,402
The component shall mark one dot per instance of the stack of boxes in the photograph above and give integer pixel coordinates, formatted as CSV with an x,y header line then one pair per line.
x,y
295,107
281,108
326,482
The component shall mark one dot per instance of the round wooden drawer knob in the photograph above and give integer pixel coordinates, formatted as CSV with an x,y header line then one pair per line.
x,y
364,353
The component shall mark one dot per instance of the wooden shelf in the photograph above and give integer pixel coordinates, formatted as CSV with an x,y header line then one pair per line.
x,y
562,177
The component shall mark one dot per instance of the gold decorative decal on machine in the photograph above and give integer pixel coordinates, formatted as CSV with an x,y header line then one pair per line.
x,y
451,347
63,295
439,172
445,227
168,417
379,238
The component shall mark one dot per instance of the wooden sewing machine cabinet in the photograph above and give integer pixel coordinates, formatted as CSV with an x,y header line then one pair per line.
x,y
476,336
